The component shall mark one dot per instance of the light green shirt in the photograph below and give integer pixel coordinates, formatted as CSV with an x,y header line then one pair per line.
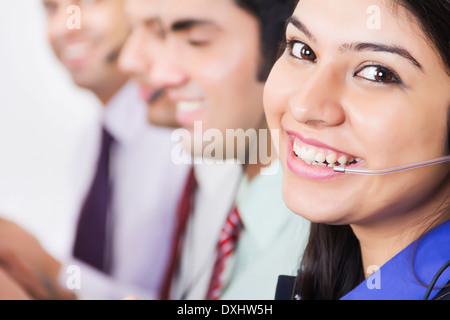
x,y
271,244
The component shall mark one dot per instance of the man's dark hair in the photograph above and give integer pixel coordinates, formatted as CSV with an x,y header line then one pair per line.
x,y
272,16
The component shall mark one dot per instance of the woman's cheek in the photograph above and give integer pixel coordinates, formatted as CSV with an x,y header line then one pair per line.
x,y
275,94
274,113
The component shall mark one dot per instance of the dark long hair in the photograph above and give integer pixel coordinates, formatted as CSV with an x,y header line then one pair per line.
x,y
332,265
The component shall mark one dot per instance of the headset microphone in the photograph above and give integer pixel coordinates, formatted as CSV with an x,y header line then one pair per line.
x,y
393,169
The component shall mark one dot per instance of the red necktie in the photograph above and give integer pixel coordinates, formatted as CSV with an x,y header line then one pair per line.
x,y
184,208
229,237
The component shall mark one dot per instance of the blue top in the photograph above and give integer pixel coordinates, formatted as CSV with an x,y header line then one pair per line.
x,y
398,278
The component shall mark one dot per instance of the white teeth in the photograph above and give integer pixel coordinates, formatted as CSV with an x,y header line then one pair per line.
x,y
318,158
319,164
297,149
331,158
343,160
303,152
310,155
189,106
75,51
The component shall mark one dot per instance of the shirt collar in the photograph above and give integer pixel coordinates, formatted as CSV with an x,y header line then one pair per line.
x,y
125,114
210,177
398,277
261,206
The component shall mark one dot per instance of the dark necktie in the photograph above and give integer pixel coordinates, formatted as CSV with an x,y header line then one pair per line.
x,y
90,241
228,240
184,209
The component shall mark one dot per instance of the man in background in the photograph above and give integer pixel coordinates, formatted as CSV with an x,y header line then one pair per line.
x,y
135,196
122,234
212,59
146,43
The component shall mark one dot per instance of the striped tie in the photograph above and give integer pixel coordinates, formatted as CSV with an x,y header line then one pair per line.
x,y
227,243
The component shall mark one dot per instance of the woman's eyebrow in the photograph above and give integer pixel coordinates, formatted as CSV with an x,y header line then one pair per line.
x,y
363,46
301,27
359,46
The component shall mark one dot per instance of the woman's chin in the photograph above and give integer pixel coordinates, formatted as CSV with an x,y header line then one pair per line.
x,y
314,208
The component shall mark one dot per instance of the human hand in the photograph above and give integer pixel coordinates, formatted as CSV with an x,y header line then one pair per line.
x,y
9,289
25,261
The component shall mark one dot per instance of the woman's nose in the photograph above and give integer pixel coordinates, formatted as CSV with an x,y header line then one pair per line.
x,y
318,101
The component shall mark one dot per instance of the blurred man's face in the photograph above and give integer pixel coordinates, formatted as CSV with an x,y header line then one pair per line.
x,y
209,65
143,46
90,52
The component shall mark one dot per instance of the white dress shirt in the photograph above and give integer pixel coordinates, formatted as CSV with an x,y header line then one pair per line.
x,y
217,185
271,243
147,186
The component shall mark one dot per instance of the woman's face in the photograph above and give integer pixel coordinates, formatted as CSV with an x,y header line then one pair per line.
x,y
350,92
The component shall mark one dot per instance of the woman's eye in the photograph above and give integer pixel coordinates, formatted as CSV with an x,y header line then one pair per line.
x,y
302,51
378,74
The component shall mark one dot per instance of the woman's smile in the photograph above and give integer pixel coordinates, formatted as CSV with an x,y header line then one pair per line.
x,y
313,159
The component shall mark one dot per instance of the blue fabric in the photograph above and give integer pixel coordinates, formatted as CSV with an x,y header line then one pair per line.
x,y
398,277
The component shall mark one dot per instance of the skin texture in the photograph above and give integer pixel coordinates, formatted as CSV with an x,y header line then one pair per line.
x,y
11,290
328,91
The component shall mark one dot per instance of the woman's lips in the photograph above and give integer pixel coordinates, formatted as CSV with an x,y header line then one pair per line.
x,y
314,160
312,142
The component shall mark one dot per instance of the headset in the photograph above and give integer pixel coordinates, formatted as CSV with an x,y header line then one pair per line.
x,y
435,278
410,166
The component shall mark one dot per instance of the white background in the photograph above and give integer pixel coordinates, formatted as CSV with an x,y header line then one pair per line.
x,y
42,120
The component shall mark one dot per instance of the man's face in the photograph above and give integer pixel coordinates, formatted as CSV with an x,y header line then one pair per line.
x,y
144,45
89,52
209,65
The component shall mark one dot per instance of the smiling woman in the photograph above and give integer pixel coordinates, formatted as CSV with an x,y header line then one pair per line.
x,y
366,99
